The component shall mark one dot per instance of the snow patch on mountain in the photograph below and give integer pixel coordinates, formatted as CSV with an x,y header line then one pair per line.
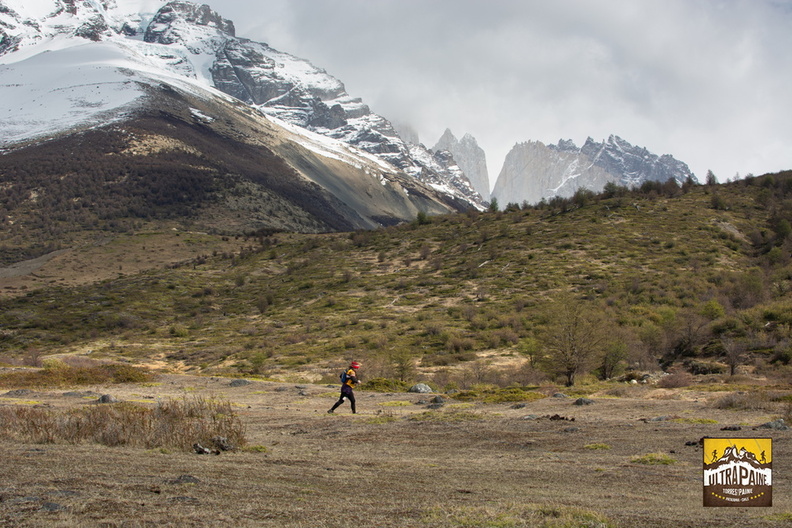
x,y
64,89
121,45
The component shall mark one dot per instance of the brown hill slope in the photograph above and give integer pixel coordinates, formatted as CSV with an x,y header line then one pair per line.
x,y
199,164
695,278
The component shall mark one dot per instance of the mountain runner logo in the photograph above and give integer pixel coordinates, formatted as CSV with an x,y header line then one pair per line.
x,y
738,472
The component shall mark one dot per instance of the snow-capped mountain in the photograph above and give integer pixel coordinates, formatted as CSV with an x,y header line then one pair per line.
x,y
80,66
471,158
534,171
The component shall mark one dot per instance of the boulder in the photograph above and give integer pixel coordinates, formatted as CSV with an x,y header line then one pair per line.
x,y
778,425
107,398
420,388
185,479
18,393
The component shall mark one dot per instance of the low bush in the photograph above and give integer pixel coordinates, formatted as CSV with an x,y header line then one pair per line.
x,y
677,380
385,385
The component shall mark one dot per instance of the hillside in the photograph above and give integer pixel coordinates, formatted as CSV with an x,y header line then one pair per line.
x,y
170,163
695,278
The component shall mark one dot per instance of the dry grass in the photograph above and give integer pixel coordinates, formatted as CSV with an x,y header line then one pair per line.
x,y
176,424
676,380
514,516
389,466
58,374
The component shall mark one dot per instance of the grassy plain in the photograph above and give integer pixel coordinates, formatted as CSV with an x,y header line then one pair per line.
x,y
396,463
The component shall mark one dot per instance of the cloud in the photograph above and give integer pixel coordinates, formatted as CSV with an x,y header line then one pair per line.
x,y
704,81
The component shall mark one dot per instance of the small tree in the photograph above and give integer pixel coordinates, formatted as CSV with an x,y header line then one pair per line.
x,y
422,218
613,358
574,338
530,348
403,365
734,354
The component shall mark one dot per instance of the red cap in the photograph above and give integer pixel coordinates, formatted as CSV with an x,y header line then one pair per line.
x,y
355,365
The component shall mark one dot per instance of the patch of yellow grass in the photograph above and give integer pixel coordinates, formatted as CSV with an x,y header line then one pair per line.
x,y
396,403
654,459
597,446
20,402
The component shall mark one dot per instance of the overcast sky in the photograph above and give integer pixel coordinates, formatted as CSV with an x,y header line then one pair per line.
x,y
707,81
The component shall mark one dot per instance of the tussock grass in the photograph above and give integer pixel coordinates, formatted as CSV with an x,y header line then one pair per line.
x,y
694,420
654,459
598,446
171,424
61,375
676,380
752,400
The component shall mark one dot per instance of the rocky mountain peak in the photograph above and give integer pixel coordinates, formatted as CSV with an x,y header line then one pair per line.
x,y
176,20
533,171
447,139
470,157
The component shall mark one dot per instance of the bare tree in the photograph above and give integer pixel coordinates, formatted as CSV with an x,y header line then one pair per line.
x,y
574,338
734,354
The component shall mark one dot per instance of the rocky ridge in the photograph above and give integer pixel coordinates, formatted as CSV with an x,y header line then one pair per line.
x,y
534,171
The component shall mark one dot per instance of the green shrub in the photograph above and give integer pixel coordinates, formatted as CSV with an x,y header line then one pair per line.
x,y
385,385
